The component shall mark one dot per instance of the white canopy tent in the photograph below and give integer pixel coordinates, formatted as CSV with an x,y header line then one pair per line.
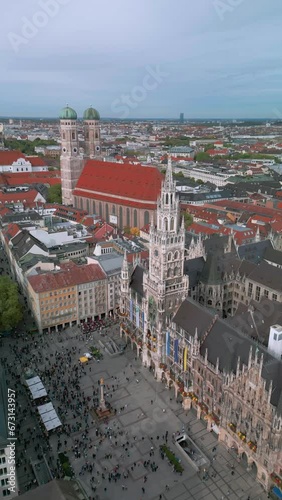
x,y
36,388
49,416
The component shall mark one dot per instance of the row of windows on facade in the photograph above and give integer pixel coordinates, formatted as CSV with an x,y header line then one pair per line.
x,y
57,292
169,240
259,292
73,135
59,313
114,211
55,306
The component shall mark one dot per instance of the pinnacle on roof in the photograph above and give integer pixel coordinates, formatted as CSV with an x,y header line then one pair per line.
x,y
125,262
168,182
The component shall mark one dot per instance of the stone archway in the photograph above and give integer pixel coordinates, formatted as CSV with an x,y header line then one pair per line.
x,y
253,469
244,460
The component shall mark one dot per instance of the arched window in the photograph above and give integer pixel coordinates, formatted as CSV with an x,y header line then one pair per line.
x,y
64,135
165,224
166,199
107,212
172,224
176,255
93,207
88,206
169,273
120,222
176,271
100,209
128,217
210,291
169,256
135,218
73,135
96,135
114,210
81,203
146,217
209,302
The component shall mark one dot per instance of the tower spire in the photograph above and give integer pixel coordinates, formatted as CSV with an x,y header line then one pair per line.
x,y
168,183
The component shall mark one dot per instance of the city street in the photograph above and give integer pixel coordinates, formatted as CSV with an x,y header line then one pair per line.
x,y
108,459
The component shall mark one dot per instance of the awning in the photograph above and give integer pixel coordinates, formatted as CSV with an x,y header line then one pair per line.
x,y
83,359
49,416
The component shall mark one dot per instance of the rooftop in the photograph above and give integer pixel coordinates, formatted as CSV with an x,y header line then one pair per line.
x,y
69,274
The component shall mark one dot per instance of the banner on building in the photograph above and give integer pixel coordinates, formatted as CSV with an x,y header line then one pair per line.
x,y
137,317
176,351
131,310
185,358
167,343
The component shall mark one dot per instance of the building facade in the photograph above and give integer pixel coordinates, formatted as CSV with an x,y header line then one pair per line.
x,y
121,194
220,373
72,159
67,296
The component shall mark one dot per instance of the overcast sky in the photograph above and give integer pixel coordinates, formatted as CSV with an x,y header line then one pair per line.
x,y
144,59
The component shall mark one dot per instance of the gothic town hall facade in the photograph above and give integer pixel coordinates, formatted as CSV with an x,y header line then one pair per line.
x,y
220,374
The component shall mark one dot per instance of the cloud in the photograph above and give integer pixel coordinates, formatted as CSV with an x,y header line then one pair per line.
x,y
97,51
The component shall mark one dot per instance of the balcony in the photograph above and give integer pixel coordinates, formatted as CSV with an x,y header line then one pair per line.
x,y
193,396
276,479
242,436
232,427
252,446
204,407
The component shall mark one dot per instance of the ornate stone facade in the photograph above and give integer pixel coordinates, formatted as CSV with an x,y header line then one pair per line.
x,y
218,372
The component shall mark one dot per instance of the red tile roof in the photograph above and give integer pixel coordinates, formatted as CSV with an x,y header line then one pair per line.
x,y
36,161
20,178
103,231
10,231
70,274
113,199
119,180
19,196
8,157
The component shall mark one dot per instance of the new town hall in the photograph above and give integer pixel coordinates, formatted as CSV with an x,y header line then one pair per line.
x,y
220,373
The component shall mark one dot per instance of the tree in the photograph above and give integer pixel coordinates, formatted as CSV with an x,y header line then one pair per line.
x,y
10,307
55,194
202,157
135,231
188,219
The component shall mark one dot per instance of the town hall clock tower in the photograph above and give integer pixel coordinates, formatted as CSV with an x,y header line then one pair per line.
x,y
165,284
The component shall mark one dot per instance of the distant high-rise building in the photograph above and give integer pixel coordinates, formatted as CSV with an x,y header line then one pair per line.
x,y
1,136
181,119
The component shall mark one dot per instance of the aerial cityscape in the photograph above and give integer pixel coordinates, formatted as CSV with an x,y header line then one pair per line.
x,y
141,251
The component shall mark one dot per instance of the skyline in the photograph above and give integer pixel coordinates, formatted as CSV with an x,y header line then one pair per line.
x,y
219,60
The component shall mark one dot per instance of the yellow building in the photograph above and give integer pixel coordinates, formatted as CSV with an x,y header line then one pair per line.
x,y
55,296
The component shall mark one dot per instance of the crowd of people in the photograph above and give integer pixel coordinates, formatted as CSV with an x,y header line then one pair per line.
x,y
61,374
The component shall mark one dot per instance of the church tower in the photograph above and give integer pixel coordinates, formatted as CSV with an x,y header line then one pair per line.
x,y
71,161
165,284
91,119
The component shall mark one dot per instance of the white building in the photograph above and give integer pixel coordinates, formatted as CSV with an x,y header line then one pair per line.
x,y
17,162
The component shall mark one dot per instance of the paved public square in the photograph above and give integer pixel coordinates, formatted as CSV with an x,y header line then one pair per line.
x,y
99,451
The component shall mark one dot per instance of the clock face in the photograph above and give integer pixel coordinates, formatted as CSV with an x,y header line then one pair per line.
x,y
156,253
